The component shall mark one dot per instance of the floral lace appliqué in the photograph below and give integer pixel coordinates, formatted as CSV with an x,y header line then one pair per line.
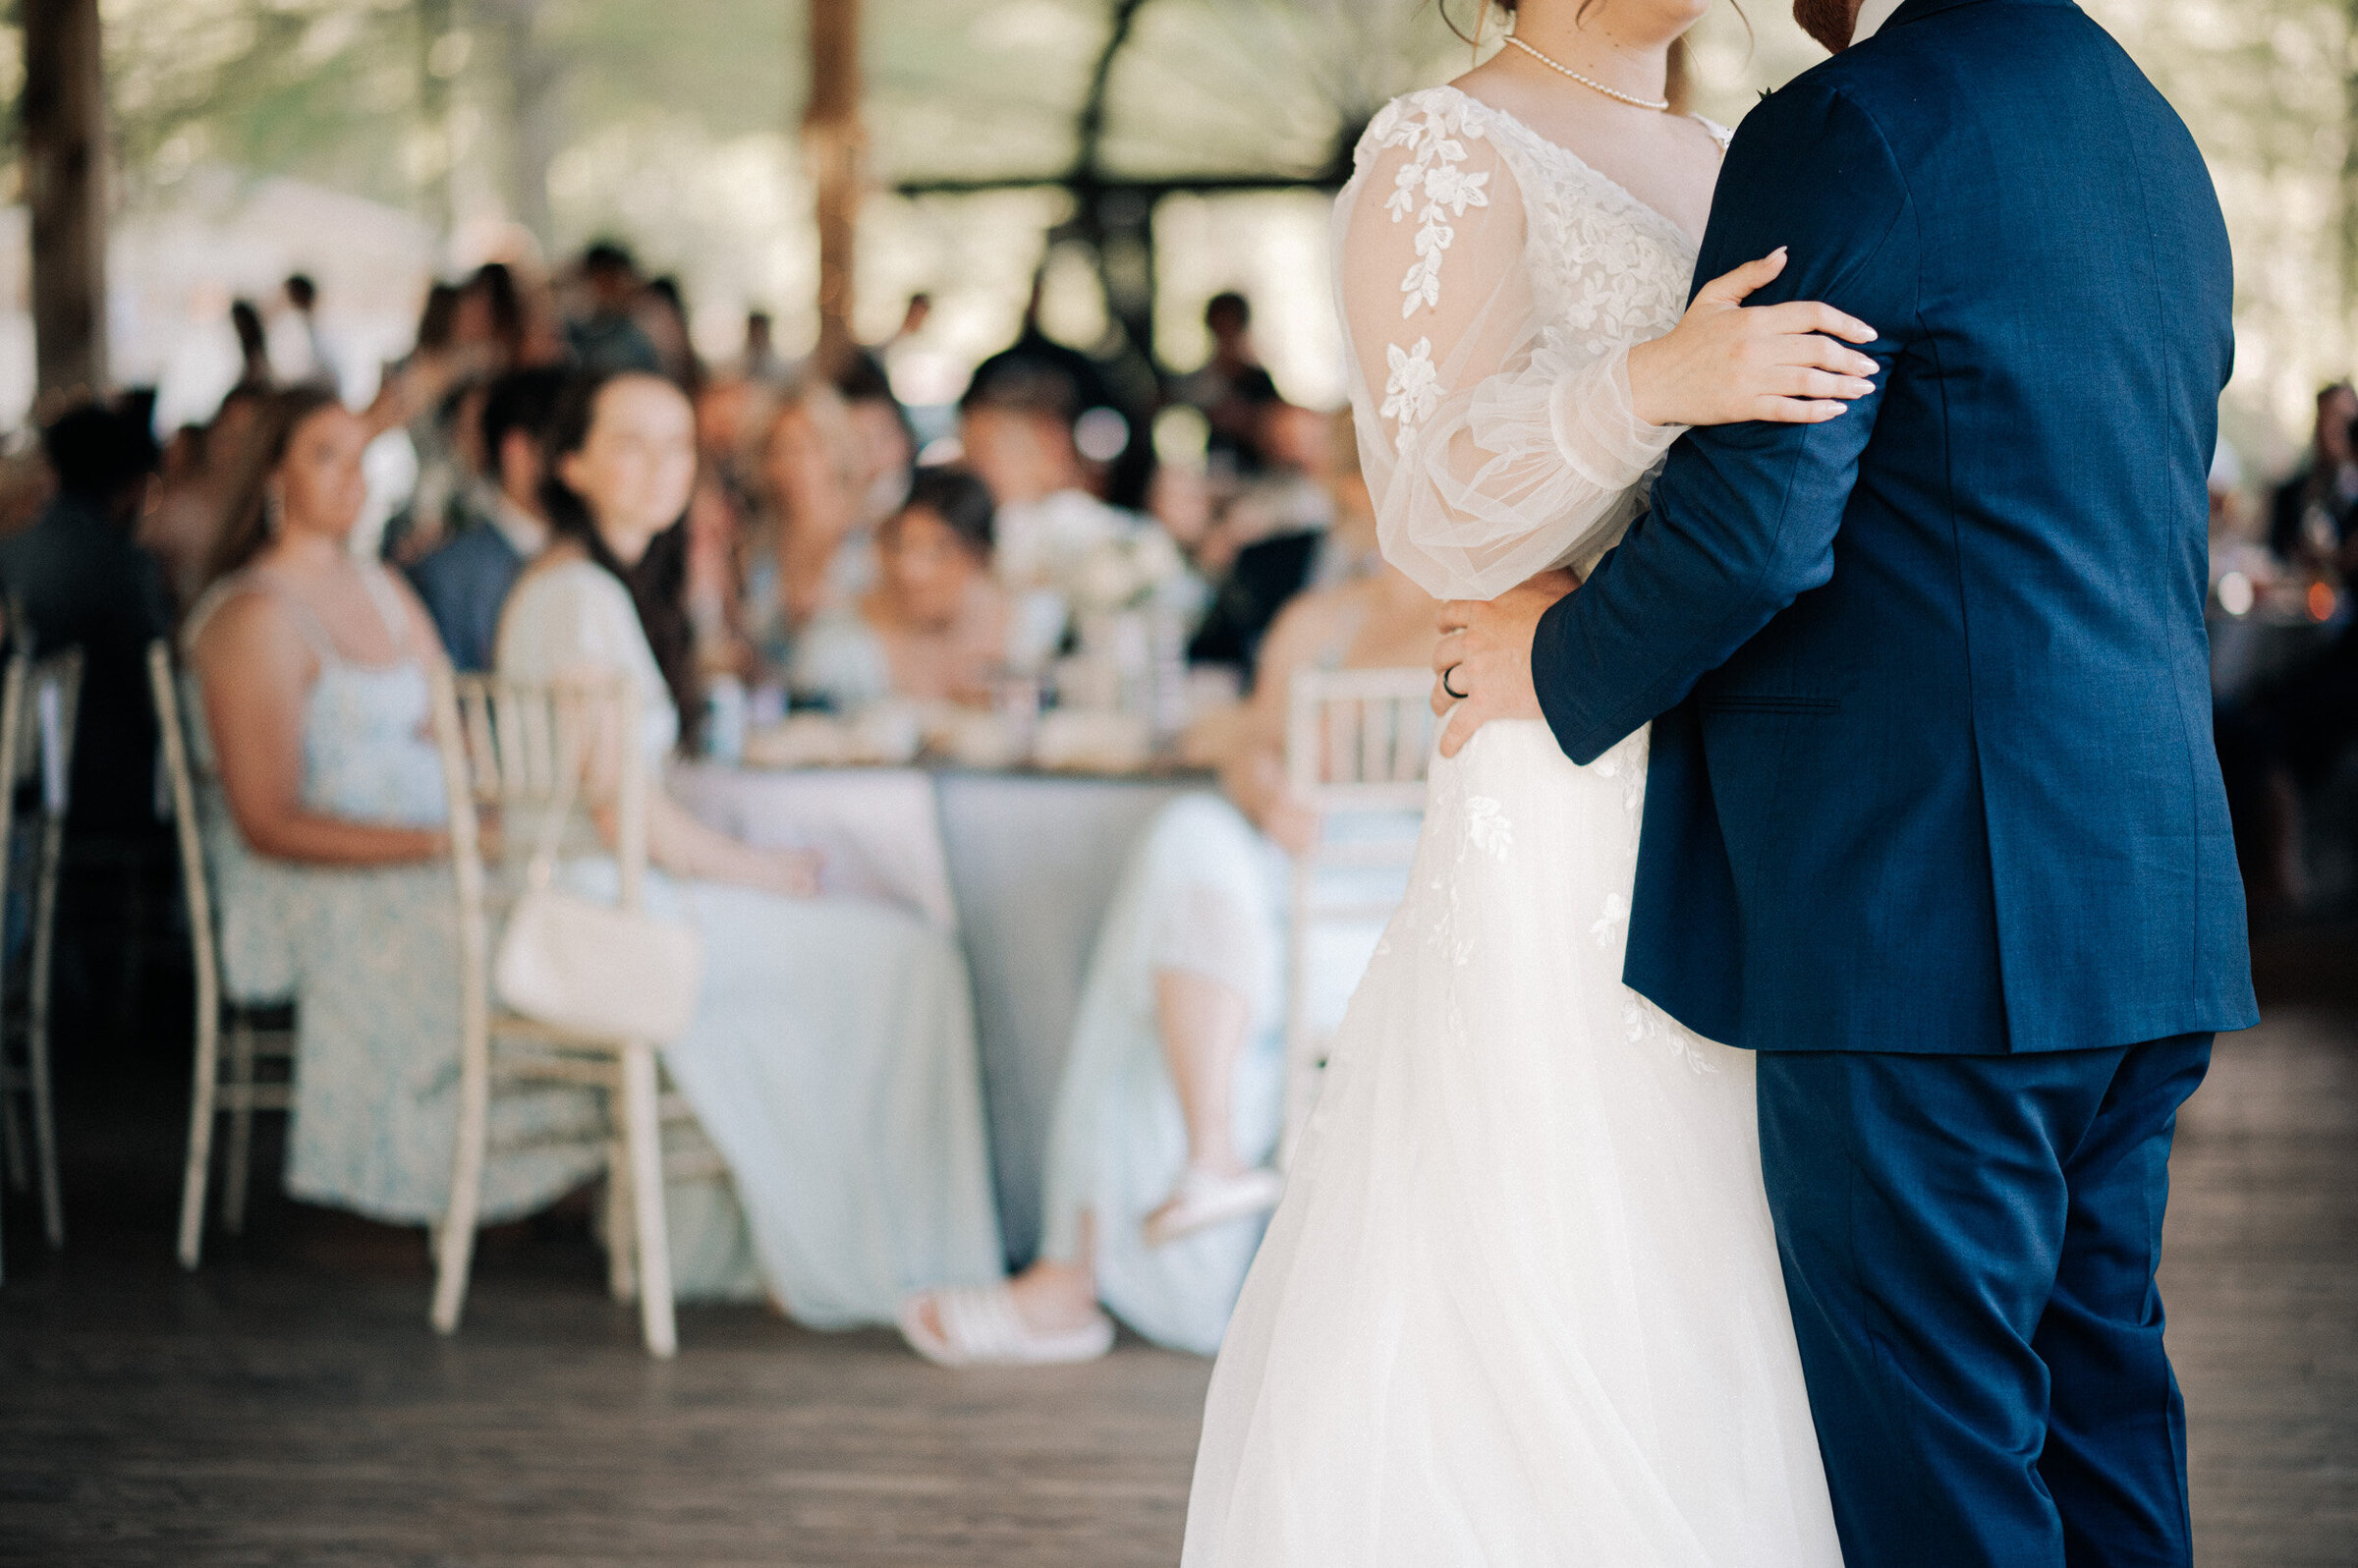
x,y
1643,1023
1616,911
1432,187
1487,828
1413,390
1432,173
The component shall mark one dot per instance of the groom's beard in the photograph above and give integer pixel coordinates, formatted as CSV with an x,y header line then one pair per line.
x,y
1830,21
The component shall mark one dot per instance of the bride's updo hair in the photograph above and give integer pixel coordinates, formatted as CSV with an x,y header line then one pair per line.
x,y
1676,89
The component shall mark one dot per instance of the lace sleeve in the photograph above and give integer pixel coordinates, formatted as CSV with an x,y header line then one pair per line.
x,y
1494,447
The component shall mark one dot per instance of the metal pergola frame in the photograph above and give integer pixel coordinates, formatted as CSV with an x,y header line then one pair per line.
x,y
1113,214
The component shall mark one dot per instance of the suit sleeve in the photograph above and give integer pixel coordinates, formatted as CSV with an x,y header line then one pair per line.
x,y
1744,517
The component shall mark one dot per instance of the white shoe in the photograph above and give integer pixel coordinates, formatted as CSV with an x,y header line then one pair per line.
x,y
981,1327
1205,1199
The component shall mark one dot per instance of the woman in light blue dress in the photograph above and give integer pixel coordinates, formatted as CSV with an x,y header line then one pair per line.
x,y
832,1054
933,629
324,815
1159,1183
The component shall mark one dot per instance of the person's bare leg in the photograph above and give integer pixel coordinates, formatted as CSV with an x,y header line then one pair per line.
x,y
1202,1023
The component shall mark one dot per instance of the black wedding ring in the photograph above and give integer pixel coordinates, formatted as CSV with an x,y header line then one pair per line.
x,y
1451,689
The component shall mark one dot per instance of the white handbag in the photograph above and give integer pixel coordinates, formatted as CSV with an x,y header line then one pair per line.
x,y
592,968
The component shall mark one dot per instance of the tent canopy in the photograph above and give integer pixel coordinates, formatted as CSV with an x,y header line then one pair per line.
x,y
1172,95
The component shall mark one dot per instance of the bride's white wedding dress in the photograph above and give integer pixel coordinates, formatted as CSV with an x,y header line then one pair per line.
x,y
1522,1303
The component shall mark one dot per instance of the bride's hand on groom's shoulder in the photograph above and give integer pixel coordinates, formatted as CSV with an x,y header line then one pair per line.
x,y
1482,665
1727,362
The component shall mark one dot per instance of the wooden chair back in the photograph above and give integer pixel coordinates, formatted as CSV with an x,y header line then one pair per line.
x,y
39,700
228,1084
521,753
1357,741
543,760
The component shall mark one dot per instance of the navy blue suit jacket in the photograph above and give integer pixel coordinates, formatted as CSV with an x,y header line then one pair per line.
x,y
465,584
1932,760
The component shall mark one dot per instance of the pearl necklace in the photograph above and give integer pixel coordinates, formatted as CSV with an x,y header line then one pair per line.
x,y
1659,105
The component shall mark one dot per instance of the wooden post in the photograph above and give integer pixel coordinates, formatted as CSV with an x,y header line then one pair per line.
x,y
64,190
835,152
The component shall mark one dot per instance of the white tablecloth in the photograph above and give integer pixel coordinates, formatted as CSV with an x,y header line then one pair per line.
x,y
1021,865
878,830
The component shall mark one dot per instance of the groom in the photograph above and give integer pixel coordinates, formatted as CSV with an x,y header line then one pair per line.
x,y
1933,823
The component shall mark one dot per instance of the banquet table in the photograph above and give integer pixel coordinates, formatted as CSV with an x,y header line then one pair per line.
x,y
1020,865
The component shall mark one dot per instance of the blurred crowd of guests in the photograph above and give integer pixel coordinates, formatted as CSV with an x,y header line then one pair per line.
x,y
816,570
2284,666
553,483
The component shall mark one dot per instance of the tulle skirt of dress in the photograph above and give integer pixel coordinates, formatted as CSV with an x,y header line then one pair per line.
x,y
1522,1303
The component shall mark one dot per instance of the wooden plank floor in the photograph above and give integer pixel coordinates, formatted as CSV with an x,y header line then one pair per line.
x,y
288,1404
2260,1276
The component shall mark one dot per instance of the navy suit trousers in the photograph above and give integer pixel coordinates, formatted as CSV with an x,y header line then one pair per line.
x,y
1970,1245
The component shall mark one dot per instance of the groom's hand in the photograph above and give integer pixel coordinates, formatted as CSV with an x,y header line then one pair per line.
x,y
1482,660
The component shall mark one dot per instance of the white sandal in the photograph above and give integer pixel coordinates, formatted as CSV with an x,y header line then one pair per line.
x,y
981,1327
1203,1198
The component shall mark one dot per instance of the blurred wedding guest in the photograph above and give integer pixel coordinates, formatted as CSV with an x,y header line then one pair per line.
x,y
1288,494
758,359
492,323
1158,1184
465,581
714,577
327,837
1017,428
201,463
2311,517
446,465
81,579
1231,389
253,344
934,627
462,338
1110,401
808,549
661,312
27,485
605,335
1266,573
925,375
913,316
832,1058
883,443
298,349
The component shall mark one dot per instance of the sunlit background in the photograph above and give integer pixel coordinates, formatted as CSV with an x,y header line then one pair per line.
x,y
375,144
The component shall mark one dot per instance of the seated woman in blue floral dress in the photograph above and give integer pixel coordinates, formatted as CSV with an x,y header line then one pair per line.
x,y
326,832
1158,1185
832,1055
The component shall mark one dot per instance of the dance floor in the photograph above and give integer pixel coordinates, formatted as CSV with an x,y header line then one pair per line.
x,y
287,1404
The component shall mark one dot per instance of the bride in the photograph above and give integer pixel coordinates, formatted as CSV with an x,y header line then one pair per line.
x,y
1522,1300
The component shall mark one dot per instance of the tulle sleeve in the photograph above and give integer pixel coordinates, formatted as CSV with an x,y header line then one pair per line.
x,y
1495,445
